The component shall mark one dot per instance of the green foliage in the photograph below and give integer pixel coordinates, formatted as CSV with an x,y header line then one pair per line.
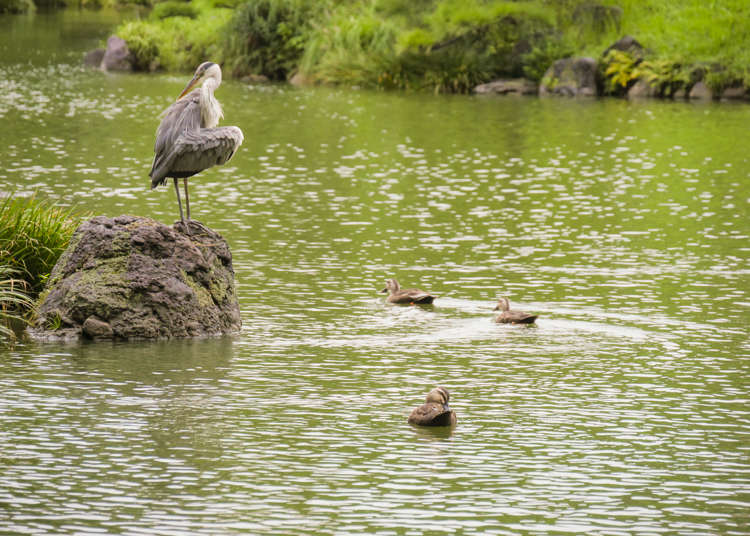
x,y
720,78
449,47
173,8
536,62
267,37
17,6
176,43
665,76
446,44
354,50
143,40
621,71
33,235
14,302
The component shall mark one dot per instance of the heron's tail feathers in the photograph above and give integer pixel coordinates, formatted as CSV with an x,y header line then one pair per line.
x,y
158,182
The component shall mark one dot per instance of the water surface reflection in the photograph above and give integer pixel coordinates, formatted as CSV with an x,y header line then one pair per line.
x,y
624,411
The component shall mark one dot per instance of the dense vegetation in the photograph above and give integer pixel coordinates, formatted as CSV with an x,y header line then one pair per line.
x,y
448,45
33,235
440,45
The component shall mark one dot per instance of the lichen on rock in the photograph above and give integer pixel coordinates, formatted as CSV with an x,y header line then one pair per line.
x,y
134,278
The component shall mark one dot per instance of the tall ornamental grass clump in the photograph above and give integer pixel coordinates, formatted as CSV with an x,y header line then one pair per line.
x,y
14,302
33,235
267,37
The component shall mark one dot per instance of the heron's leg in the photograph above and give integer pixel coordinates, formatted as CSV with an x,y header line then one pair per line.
x,y
187,199
179,203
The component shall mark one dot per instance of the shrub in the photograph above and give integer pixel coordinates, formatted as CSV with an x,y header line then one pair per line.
x,y
267,37
143,40
171,8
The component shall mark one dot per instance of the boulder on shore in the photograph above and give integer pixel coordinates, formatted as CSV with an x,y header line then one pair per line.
x,y
570,77
93,58
514,86
130,277
117,56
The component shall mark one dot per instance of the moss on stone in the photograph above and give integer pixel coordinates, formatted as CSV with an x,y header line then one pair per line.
x,y
201,293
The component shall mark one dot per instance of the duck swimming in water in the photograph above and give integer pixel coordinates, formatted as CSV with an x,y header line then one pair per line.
x,y
435,411
408,296
508,316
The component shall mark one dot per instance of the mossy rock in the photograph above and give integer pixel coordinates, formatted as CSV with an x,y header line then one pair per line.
x,y
135,278
570,77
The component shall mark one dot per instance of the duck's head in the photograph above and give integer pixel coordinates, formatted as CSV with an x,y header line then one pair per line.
x,y
391,286
502,305
439,395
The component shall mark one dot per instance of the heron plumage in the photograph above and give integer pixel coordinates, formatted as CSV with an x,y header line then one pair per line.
x,y
187,139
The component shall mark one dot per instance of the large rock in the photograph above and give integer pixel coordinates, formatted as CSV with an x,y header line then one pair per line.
x,y
117,57
570,77
628,44
93,58
514,86
642,89
135,278
701,91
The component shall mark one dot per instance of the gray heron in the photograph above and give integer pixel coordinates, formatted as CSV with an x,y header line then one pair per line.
x,y
188,140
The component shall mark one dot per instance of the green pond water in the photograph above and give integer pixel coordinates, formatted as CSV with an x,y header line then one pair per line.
x,y
625,225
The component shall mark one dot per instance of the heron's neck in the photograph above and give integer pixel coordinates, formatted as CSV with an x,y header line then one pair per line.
x,y
210,107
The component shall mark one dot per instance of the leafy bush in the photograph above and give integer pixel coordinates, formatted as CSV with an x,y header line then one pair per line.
x,y
172,8
267,37
143,40
620,72
175,43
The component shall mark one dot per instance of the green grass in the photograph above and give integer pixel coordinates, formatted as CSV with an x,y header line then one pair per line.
x,y
33,235
444,45
14,303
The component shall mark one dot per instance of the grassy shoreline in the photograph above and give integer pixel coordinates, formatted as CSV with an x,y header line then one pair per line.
x,y
33,235
447,45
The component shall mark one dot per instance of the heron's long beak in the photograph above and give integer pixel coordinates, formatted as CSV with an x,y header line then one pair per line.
x,y
384,291
189,86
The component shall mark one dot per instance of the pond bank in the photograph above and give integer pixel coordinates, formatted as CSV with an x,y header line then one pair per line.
x,y
453,47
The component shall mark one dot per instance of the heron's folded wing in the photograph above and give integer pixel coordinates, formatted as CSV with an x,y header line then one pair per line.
x,y
195,151
182,116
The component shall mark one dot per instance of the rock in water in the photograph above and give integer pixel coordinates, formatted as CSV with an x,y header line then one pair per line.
x,y
117,56
135,278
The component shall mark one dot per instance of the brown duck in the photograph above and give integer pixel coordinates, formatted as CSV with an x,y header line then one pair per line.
x,y
435,411
508,316
408,296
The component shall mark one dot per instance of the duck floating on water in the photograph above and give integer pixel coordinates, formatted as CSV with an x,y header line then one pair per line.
x,y
408,296
508,316
435,411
